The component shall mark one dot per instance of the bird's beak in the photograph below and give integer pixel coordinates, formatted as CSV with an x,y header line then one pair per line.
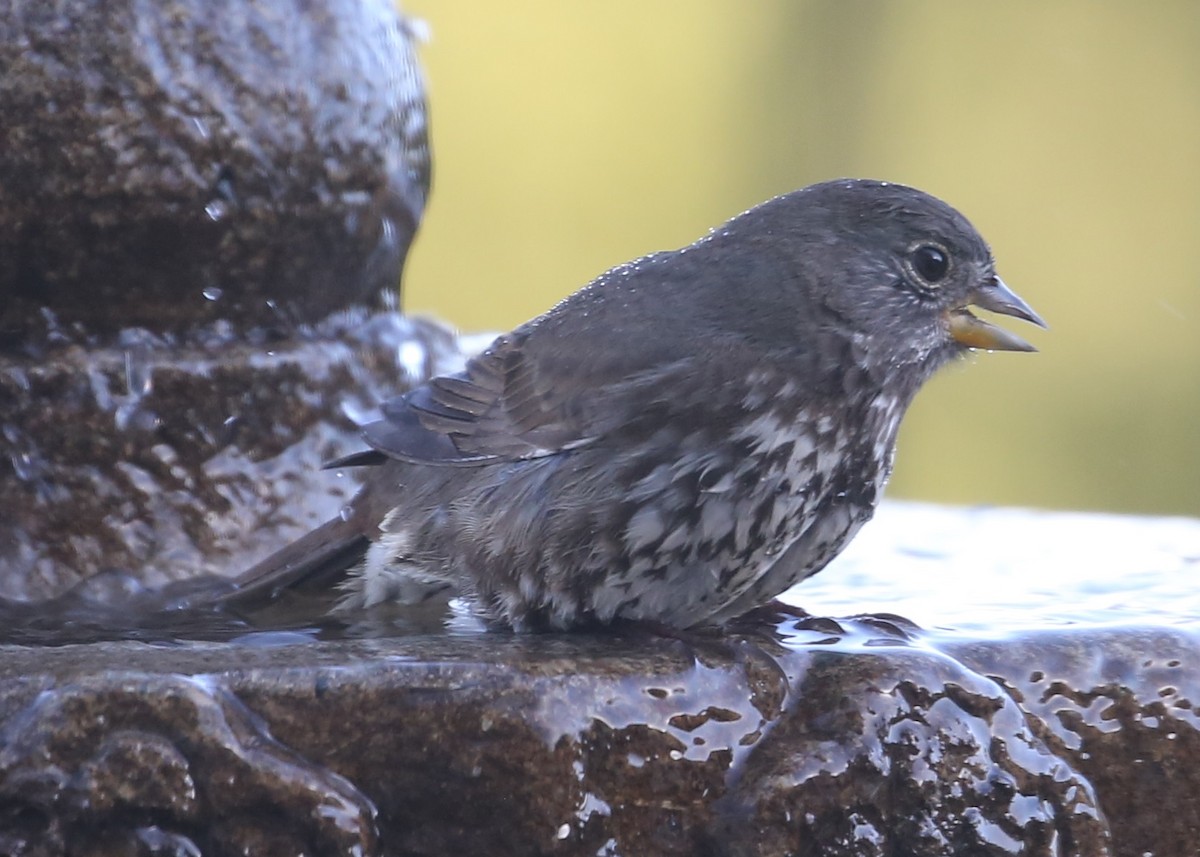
x,y
973,332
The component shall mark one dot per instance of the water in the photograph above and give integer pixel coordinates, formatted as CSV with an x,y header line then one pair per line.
x,y
994,571
923,572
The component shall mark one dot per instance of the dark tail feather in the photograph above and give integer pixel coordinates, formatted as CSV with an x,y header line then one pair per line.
x,y
313,562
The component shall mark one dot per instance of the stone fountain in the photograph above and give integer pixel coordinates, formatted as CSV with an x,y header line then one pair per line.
x,y
204,211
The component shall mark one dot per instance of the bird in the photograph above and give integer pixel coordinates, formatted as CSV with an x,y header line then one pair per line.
x,y
679,441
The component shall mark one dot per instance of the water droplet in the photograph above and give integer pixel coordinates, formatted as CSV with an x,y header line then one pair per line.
x,y
139,378
130,416
417,29
26,467
100,391
353,198
54,329
18,377
212,293
216,210
346,513
388,238
412,359
200,127
223,189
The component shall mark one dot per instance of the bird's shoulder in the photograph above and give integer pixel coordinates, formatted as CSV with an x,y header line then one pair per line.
x,y
513,401
631,343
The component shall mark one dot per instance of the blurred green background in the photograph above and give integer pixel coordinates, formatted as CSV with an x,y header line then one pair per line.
x,y
569,137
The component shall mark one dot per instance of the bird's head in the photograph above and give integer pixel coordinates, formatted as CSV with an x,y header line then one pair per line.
x,y
887,270
913,267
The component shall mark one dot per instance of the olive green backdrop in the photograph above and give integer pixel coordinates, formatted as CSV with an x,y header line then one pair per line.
x,y
571,136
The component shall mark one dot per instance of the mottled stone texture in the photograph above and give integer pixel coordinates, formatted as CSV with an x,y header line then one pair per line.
x,y
172,162
868,742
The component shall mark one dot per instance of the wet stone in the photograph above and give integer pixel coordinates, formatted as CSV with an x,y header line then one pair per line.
x,y
1123,712
908,753
768,739
174,163
204,212
126,468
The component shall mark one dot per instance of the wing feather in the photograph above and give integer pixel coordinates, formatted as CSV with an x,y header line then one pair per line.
x,y
499,408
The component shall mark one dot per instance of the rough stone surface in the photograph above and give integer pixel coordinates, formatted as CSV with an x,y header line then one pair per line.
x,y
1124,712
204,211
169,164
908,753
122,761
160,463
786,736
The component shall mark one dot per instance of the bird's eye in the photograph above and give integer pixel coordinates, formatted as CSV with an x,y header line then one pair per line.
x,y
930,263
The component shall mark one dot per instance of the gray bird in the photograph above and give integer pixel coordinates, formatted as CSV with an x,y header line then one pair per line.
x,y
679,441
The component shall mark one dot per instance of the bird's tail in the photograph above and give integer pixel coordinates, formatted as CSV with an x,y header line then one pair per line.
x,y
314,562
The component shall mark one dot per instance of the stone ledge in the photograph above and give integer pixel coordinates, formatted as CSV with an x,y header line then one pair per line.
x,y
789,736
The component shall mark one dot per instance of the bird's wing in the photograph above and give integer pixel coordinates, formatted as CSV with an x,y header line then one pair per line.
x,y
571,376
506,405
